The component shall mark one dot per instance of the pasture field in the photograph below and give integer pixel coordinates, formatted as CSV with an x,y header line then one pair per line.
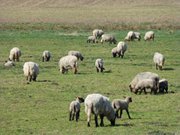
x,y
42,107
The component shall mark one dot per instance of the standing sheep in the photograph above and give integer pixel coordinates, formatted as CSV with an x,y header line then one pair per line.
x,y
99,105
77,54
114,52
159,60
97,33
46,56
149,36
31,70
92,39
15,54
68,62
119,104
137,36
99,64
74,108
130,36
108,38
163,85
121,48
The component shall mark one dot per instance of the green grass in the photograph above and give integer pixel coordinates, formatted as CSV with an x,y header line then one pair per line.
x,y
42,107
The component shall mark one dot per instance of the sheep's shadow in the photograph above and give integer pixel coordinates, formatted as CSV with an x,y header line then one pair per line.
x,y
168,69
118,125
43,81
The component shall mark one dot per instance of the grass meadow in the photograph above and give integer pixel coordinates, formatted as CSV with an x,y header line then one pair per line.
x,y
42,107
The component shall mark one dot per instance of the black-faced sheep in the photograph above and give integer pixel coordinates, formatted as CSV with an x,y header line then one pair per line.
x,y
74,108
149,36
97,33
120,105
108,38
15,54
99,64
46,56
68,62
159,60
163,86
77,54
31,70
98,104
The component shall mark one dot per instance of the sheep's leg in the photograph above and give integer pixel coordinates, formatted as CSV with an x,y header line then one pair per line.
x,y
102,123
117,113
128,113
96,120
102,69
30,78
70,116
42,59
145,91
73,115
156,66
77,116
121,111
97,69
75,70
88,117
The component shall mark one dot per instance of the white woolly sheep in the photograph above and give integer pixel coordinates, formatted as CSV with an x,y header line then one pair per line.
x,y
68,62
74,108
149,36
15,54
142,76
114,52
137,36
77,54
121,48
108,38
92,39
9,64
46,56
130,36
31,70
119,104
97,33
163,85
146,84
99,64
159,60
98,104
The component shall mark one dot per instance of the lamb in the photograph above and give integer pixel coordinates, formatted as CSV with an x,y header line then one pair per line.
x,y
108,38
74,108
149,36
159,60
15,54
98,104
97,33
92,39
68,62
9,64
99,64
119,104
142,76
121,48
77,54
163,85
46,56
31,70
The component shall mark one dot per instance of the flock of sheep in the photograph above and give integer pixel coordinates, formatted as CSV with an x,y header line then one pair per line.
x,y
98,104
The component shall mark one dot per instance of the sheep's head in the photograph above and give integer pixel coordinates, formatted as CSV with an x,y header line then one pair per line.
x,y
80,99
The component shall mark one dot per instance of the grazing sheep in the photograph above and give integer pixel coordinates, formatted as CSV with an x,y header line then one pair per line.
x,y
119,104
149,36
130,36
46,56
121,48
108,38
97,33
142,76
137,36
159,60
74,108
114,52
145,84
77,54
9,64
99,64
98,104
68,62
92,39
15,54
163,85
31,70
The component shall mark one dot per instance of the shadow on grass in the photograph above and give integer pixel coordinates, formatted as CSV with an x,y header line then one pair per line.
x,y
44,81
168,69
118,125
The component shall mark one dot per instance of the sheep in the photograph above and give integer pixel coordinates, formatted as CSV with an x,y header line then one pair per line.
x,y
121,48
119,104
46,56
146,83
68,62
92,39
74,108
15,54
9,64
114,52
31,70
131,36
159,60
108,38
149,36
77,54
97,33
98,104
99,64
137,36
163,85
144,75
